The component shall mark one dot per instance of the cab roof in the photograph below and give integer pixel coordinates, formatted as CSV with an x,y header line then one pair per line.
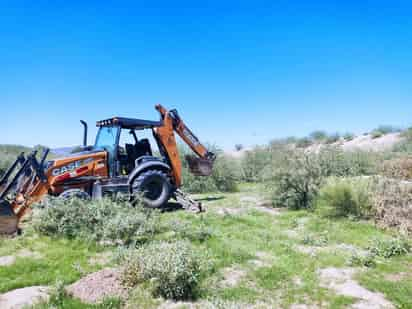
x,y
129,123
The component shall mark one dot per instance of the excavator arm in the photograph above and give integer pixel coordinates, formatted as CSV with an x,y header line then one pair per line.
x,y
200,165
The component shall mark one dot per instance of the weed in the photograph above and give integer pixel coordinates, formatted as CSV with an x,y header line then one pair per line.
x,y
388,248
317,241
368,260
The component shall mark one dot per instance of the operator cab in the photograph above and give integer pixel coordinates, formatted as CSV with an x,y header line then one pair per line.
x,y
126,149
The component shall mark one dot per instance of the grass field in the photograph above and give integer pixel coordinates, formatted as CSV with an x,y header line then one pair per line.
x,y
258,256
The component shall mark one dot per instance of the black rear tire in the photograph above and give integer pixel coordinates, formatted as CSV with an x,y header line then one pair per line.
x,y
154,187
74,193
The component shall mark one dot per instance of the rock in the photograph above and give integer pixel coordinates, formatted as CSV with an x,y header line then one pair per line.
x,y
7,260
24,297
340,280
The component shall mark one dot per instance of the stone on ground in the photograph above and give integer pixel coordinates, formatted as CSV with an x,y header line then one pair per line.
x,y
340,280
7,260
25,297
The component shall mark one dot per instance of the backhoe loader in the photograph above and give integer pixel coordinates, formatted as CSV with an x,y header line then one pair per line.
x,y
107,168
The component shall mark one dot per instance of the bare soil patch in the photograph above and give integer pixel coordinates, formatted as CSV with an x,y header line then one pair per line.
x,y
25,297
341,281
97,286
232,276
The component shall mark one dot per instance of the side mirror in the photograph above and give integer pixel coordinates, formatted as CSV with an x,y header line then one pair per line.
x,y
84,123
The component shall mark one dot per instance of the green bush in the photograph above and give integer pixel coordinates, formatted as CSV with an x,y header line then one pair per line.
x,y
224,178
254,162
9,153
376,134
347,197
406,144
172,269
386,129
225,175
367,260
97,220
348,136
336,162
295,182
333,138
303,142
318,135
388,248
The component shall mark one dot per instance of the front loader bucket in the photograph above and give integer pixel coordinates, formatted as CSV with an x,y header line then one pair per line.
x,y
8,220
199,166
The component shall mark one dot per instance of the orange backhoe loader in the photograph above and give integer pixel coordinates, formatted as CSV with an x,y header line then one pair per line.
x,y
107,168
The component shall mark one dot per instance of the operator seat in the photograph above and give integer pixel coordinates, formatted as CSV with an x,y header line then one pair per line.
x,y
141,148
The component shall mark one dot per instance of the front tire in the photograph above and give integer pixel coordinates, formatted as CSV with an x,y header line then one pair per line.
x,y
154,187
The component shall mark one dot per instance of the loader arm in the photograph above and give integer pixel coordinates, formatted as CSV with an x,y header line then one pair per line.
x,y
173,123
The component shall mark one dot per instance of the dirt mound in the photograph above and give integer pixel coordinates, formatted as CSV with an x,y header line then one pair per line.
x,y
22,298
97,286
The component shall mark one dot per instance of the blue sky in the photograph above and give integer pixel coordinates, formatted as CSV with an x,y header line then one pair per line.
x,y
238,72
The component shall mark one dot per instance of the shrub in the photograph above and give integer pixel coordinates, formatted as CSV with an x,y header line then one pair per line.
x,y
392,202
333,138
9,153
318,135
367,260
254,162
296,182
224,178
317,241
348,136
104,220
386,129
347,197
336,162
406,144
398,168
376,134
173,269
388,248
303,142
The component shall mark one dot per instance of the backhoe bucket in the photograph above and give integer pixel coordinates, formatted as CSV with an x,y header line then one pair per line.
x,y
199,166
8,220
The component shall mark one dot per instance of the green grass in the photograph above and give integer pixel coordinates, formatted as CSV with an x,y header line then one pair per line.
x,y
236,239
61,259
